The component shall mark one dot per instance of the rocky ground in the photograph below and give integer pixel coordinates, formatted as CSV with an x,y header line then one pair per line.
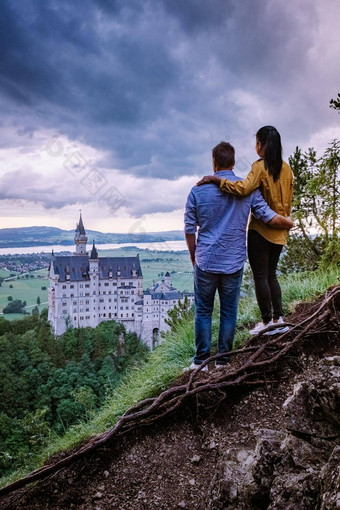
x,y
275,446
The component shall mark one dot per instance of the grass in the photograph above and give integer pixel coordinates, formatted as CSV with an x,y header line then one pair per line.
x,y
166,362
26,289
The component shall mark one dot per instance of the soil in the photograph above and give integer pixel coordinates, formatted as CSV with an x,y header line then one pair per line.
x,y
170,464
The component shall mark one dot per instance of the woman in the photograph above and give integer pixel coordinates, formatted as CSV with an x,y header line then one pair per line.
x,y
274,177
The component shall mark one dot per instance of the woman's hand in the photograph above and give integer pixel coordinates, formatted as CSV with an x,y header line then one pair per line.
x,y
209,179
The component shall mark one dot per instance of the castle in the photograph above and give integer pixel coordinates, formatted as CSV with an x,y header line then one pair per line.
x,y
87,289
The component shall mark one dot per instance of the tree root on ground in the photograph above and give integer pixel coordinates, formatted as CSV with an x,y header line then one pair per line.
x,y
255,370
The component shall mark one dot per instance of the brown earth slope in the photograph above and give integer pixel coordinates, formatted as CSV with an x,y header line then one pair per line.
x,y
271,445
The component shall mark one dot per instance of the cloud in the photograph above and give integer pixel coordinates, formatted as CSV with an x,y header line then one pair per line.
x,y
145,89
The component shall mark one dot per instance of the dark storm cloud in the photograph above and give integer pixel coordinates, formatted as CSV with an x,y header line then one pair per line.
x,y
154,84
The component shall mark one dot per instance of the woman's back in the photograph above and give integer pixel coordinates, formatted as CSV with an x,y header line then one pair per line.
x,y
278,196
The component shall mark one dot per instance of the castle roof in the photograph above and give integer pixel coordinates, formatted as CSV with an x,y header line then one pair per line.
x,y
78,267
80,226
94,252
166,296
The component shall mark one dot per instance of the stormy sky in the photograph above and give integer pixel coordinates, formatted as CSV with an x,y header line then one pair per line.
x,y
113,106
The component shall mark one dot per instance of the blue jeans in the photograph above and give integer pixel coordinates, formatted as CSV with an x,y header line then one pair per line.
x,y
228,287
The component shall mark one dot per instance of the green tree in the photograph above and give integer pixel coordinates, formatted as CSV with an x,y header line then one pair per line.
x,y
15,306
335,103
38,300
315,205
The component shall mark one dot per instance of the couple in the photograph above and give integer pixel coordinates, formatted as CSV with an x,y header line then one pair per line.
x,y
220,209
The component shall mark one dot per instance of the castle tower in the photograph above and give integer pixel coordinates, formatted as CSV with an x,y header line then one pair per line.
x,y
80,238
94,260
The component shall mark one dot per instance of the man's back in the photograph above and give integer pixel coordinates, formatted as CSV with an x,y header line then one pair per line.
x,y
222,220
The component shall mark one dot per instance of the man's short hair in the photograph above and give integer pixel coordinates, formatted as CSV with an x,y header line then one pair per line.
x,y
224,154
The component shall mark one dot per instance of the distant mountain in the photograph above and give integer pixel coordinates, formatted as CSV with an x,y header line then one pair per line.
x,y
37,236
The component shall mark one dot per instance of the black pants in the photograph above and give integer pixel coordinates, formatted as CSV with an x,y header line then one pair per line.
x,y
263,258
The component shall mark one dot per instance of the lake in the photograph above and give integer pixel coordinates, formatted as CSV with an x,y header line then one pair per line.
x,y
158,246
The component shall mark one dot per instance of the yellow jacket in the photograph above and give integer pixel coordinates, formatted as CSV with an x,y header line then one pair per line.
x,y
278,196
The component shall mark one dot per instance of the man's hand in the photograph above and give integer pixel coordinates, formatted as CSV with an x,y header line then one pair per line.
x,y
191,244
209,179
281,223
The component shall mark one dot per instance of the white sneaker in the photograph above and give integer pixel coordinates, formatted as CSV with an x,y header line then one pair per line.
x,y
260,326
277,331
194,366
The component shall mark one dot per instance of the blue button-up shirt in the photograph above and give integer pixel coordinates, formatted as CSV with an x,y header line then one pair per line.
x,y
222,220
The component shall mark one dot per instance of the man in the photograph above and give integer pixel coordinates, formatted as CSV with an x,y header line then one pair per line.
x,y
220,252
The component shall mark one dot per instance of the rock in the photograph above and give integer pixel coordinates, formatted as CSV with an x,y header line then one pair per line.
x,y
98,495
212,445
314,407
192,481
106,474
233,472
330,482
296,468
195,458
182,504
292,491
332,360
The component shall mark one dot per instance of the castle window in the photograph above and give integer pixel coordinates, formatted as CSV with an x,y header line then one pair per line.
x,y
123,284
106,284
64,287
74,302
75,318
133,314
72,295
64,295
88,317
87,293
64,312
87,285
71,286
87,302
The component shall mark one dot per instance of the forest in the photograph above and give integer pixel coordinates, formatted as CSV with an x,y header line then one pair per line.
x,y
48,384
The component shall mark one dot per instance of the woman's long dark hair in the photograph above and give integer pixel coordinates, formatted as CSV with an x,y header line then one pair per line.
x,y
270,139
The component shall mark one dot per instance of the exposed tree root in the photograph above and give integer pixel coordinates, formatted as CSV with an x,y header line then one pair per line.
x,y
254,370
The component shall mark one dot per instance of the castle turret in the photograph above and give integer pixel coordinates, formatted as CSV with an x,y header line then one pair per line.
x,y
167,279
94,259
80,238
